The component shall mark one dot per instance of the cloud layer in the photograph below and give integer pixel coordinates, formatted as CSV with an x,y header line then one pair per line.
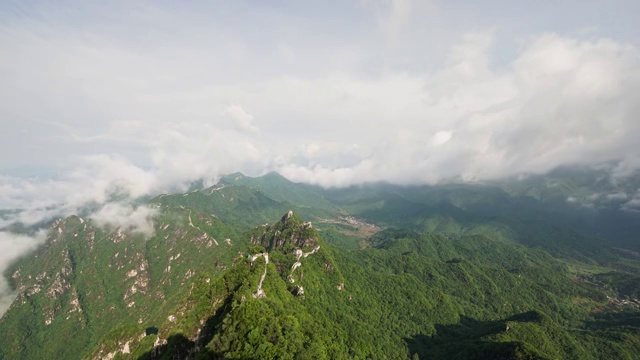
x,y
13,246
175,104
375,90
560,101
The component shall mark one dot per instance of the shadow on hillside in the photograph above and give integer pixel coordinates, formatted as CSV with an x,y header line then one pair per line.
x,y
180,347
177,347
611,321
464,340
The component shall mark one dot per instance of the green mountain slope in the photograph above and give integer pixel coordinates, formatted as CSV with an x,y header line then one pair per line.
x,y
433,272
281,189
238,205
87,280
462,210
408,294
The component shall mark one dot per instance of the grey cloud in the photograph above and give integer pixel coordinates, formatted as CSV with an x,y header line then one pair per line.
x,y
618,196
634,202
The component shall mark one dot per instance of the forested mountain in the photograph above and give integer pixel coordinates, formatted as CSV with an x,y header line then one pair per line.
x,y
265,268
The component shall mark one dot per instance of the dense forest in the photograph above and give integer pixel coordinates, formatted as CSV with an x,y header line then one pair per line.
x,y
262,268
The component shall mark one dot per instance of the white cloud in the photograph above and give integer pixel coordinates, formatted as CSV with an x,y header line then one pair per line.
x,y
441,137
558,101
561,101
242,120
12,246
128,218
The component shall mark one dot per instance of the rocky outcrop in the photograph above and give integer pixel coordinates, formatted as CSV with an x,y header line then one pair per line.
x,y
259,292
289,231
299,255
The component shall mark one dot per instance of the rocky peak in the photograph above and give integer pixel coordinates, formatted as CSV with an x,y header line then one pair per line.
x,y
288,233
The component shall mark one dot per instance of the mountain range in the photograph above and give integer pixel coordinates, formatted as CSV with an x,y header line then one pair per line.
x,y
543,267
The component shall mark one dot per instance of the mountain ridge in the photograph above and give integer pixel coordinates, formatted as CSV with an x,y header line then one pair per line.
x,y
231,272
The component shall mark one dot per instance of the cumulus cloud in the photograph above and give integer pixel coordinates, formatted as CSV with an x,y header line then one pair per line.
x,y
12,246
560,101
334,112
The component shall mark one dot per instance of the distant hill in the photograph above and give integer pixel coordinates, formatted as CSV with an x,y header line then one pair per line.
x,y
281,189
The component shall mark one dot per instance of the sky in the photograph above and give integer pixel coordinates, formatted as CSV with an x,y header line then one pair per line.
x,y
333,93
143,97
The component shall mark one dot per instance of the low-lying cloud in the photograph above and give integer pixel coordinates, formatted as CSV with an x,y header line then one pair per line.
x,y
12,246
126,217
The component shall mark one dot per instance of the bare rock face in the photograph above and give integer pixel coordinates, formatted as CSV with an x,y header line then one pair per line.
x,y
289,230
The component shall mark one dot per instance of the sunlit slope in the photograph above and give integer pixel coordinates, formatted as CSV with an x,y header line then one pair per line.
x,y
88,280
408,294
